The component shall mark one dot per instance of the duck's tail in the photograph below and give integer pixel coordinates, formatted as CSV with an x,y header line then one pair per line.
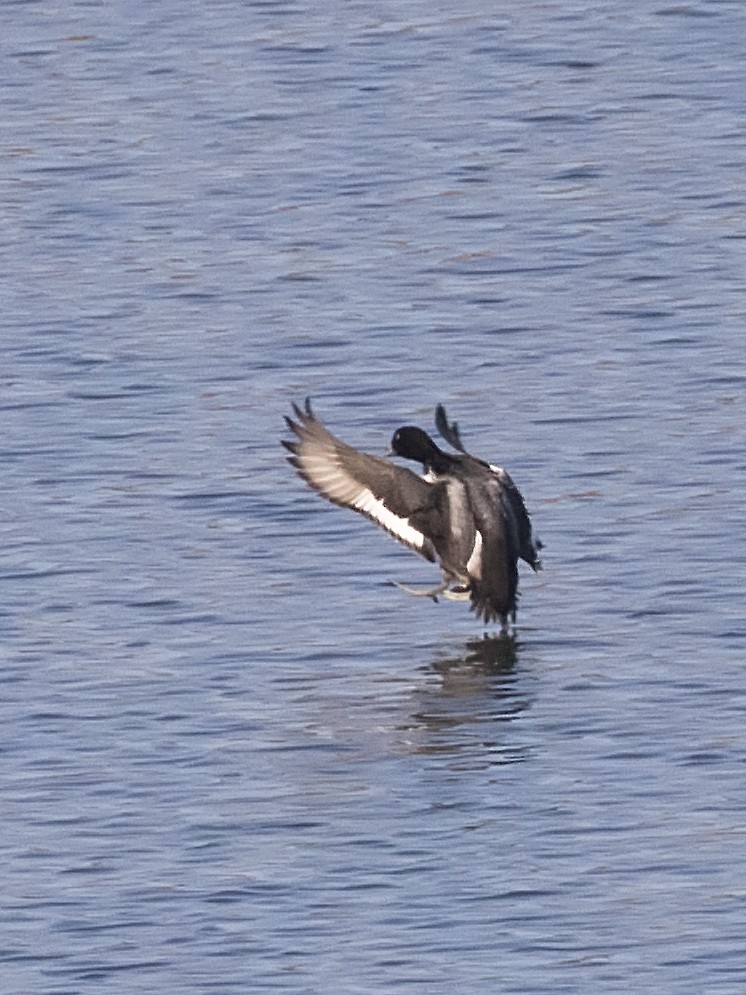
x,y
493,605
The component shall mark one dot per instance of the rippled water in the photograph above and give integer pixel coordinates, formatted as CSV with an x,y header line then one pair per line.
x,y
234,757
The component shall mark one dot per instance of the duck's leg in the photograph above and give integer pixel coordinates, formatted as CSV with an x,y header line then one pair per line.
x,y
429,592
461,593
425,592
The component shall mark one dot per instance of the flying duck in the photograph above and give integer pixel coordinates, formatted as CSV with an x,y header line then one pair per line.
x,y
465,513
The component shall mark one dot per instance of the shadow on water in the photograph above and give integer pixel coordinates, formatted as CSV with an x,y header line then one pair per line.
x,y
471,711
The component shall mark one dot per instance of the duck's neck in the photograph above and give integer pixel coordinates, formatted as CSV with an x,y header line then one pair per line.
x,y
438,462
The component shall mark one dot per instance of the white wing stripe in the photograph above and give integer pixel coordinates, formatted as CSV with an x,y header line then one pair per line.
x,y
474,563
323,471
372,506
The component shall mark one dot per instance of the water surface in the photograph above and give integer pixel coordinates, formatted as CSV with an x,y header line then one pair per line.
x,y
234,756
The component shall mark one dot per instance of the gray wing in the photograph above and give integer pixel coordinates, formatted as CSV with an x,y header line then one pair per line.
x,y
389,495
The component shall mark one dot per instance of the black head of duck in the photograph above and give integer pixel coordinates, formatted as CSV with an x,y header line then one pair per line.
x,y
415,444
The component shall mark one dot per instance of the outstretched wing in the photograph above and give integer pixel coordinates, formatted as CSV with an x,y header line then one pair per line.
x,y
387,494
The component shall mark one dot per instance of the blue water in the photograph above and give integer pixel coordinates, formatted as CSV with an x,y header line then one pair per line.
x,y
235,757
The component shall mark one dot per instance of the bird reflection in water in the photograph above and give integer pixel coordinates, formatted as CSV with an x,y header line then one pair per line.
x,y
470,712
490,654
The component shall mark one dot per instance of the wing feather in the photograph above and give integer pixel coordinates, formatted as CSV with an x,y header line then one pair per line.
x,y
384,493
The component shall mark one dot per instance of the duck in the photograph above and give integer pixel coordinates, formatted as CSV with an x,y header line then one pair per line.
x,y
464,513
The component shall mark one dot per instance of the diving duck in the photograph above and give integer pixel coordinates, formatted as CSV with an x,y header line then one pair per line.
x,y
465,513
